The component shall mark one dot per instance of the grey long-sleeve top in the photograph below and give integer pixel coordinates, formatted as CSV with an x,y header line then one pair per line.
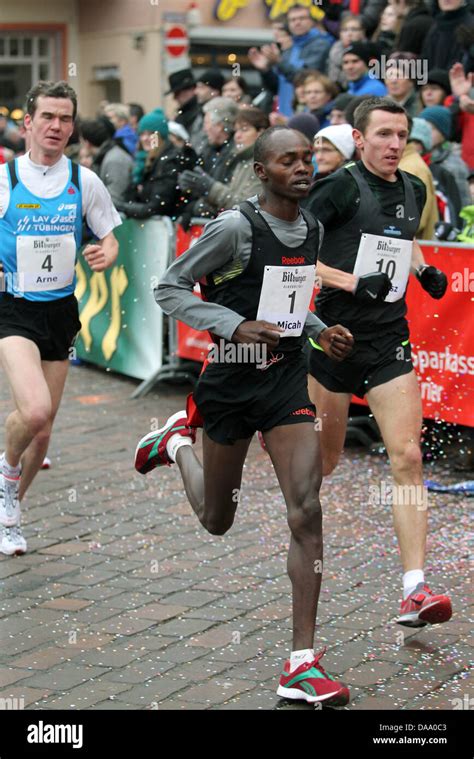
x,y
225,242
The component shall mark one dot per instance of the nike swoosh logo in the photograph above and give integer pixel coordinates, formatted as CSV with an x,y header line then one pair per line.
x,y
411,218
371,294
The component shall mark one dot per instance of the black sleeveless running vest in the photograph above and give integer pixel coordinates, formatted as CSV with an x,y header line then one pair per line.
x,y
339,249
242,293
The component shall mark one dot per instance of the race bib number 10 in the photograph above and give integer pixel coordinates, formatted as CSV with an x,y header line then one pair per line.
x,y
285,297
385,254
46,262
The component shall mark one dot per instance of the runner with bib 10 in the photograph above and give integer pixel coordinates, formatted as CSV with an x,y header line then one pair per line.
x,y
371,211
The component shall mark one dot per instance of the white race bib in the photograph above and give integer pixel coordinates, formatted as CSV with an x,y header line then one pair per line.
x,y
385,254
45,262
285,297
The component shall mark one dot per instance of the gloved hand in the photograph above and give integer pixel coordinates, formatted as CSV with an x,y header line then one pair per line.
x,y
196,181
371,288
434,281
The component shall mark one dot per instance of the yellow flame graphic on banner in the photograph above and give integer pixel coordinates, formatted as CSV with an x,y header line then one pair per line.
x,y
97,300
81,284
118,285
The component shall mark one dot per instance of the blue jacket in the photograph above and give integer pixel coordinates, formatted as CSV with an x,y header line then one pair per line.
x,y
309,51
128,137
366,85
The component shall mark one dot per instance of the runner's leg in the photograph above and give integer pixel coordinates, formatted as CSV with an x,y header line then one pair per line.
x,y
55,373
332,409
396,406
21,362
213,488
293,449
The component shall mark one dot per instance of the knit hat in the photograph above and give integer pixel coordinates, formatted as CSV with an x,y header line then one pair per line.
x,y
213,78
155,121
339,135
341,102
421,132
440,117
178,130
305,123
441,78
362,50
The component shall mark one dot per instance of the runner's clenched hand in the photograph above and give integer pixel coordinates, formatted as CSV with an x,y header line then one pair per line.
x,y
258,332
336,341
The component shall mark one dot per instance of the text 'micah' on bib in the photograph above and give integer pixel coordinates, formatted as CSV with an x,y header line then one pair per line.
x,y
285,297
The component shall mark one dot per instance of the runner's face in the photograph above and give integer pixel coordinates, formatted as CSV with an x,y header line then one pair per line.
x,y
51,126
288,169
383,143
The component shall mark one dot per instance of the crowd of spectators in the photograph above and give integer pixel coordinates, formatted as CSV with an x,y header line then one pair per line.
x,y
312,77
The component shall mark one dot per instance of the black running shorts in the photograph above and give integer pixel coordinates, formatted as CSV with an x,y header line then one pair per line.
x,y
51,325
236,400
373,361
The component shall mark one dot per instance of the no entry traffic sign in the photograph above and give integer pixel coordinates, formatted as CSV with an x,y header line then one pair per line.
x,y
177,41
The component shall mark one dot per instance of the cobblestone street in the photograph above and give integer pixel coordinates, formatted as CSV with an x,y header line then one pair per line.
x,y
124,602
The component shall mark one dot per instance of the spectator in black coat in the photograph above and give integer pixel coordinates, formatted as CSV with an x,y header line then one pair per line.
x,y
153,190
445,43
416,23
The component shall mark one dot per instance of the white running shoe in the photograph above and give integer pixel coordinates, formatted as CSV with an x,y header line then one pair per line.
x,y
9,503
12,541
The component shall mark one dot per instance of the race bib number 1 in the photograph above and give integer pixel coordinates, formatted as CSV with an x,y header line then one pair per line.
x,y
46,262
385,254
285,297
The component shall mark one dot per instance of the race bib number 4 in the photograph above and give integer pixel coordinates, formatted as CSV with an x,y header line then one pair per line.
x,y
46,262
385,254
285,297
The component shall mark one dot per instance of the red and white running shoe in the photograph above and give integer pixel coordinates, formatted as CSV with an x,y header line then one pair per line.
x,y
309,682
151,449
423,607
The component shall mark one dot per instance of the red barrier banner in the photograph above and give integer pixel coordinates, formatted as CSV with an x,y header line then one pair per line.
x,y
192,344
441,333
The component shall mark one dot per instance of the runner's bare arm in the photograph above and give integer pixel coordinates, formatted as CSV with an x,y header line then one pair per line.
x,y
331,277
103,254
417,257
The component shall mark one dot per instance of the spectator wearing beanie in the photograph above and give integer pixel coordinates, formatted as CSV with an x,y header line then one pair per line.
x,y
110,160
153,190
333,147
339,105
436,89
443,155
419,143
355,64
305,123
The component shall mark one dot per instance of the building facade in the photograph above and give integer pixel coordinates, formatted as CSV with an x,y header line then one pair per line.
x,y
123,50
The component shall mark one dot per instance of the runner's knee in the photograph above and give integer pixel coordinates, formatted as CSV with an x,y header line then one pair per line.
x,y
37,418
406,458
304,513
